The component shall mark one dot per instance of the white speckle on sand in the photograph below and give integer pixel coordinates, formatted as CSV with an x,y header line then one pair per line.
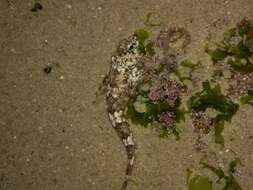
x,y
68,6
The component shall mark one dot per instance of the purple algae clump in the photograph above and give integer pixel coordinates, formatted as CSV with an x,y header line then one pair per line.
x,y
169,90
168,119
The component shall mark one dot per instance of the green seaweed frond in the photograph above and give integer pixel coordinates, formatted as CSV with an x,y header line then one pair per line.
x,y
247,99
233,164
136,117
189,64
218,171
145,47
245,27
181,77
236,49
142,35
153,110
150,48
213,98
189,173
230,181
200,183
218,54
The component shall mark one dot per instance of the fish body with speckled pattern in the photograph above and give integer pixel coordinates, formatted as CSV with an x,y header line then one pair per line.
x,y
124,74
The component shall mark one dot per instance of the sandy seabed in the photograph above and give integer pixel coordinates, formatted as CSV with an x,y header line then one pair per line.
x,y
53,137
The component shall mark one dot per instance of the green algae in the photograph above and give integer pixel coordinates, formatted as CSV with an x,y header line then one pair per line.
x,y
239,65
180,76
217,54
238,55
233,164
144,46
236,48
248,99
200,183
153,110
189,173
213,98
142,35
230,181
187,63
245,27
150,48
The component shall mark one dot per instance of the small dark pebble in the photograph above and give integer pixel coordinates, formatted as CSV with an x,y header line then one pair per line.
x,y
48,69
37,7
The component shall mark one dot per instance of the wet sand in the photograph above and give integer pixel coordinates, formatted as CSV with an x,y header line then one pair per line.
x,y
53,137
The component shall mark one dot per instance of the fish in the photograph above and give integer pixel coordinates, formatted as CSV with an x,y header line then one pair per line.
x,y
124,75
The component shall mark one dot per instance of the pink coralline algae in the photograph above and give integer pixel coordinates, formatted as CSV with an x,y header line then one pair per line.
x,y
241,85
201,121
168,119
169,91
155,94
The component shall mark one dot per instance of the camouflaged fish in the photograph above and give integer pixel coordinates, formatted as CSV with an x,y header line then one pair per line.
x,y
124,75
127,70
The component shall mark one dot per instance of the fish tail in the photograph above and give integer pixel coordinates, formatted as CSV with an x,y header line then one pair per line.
x,y
130,149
